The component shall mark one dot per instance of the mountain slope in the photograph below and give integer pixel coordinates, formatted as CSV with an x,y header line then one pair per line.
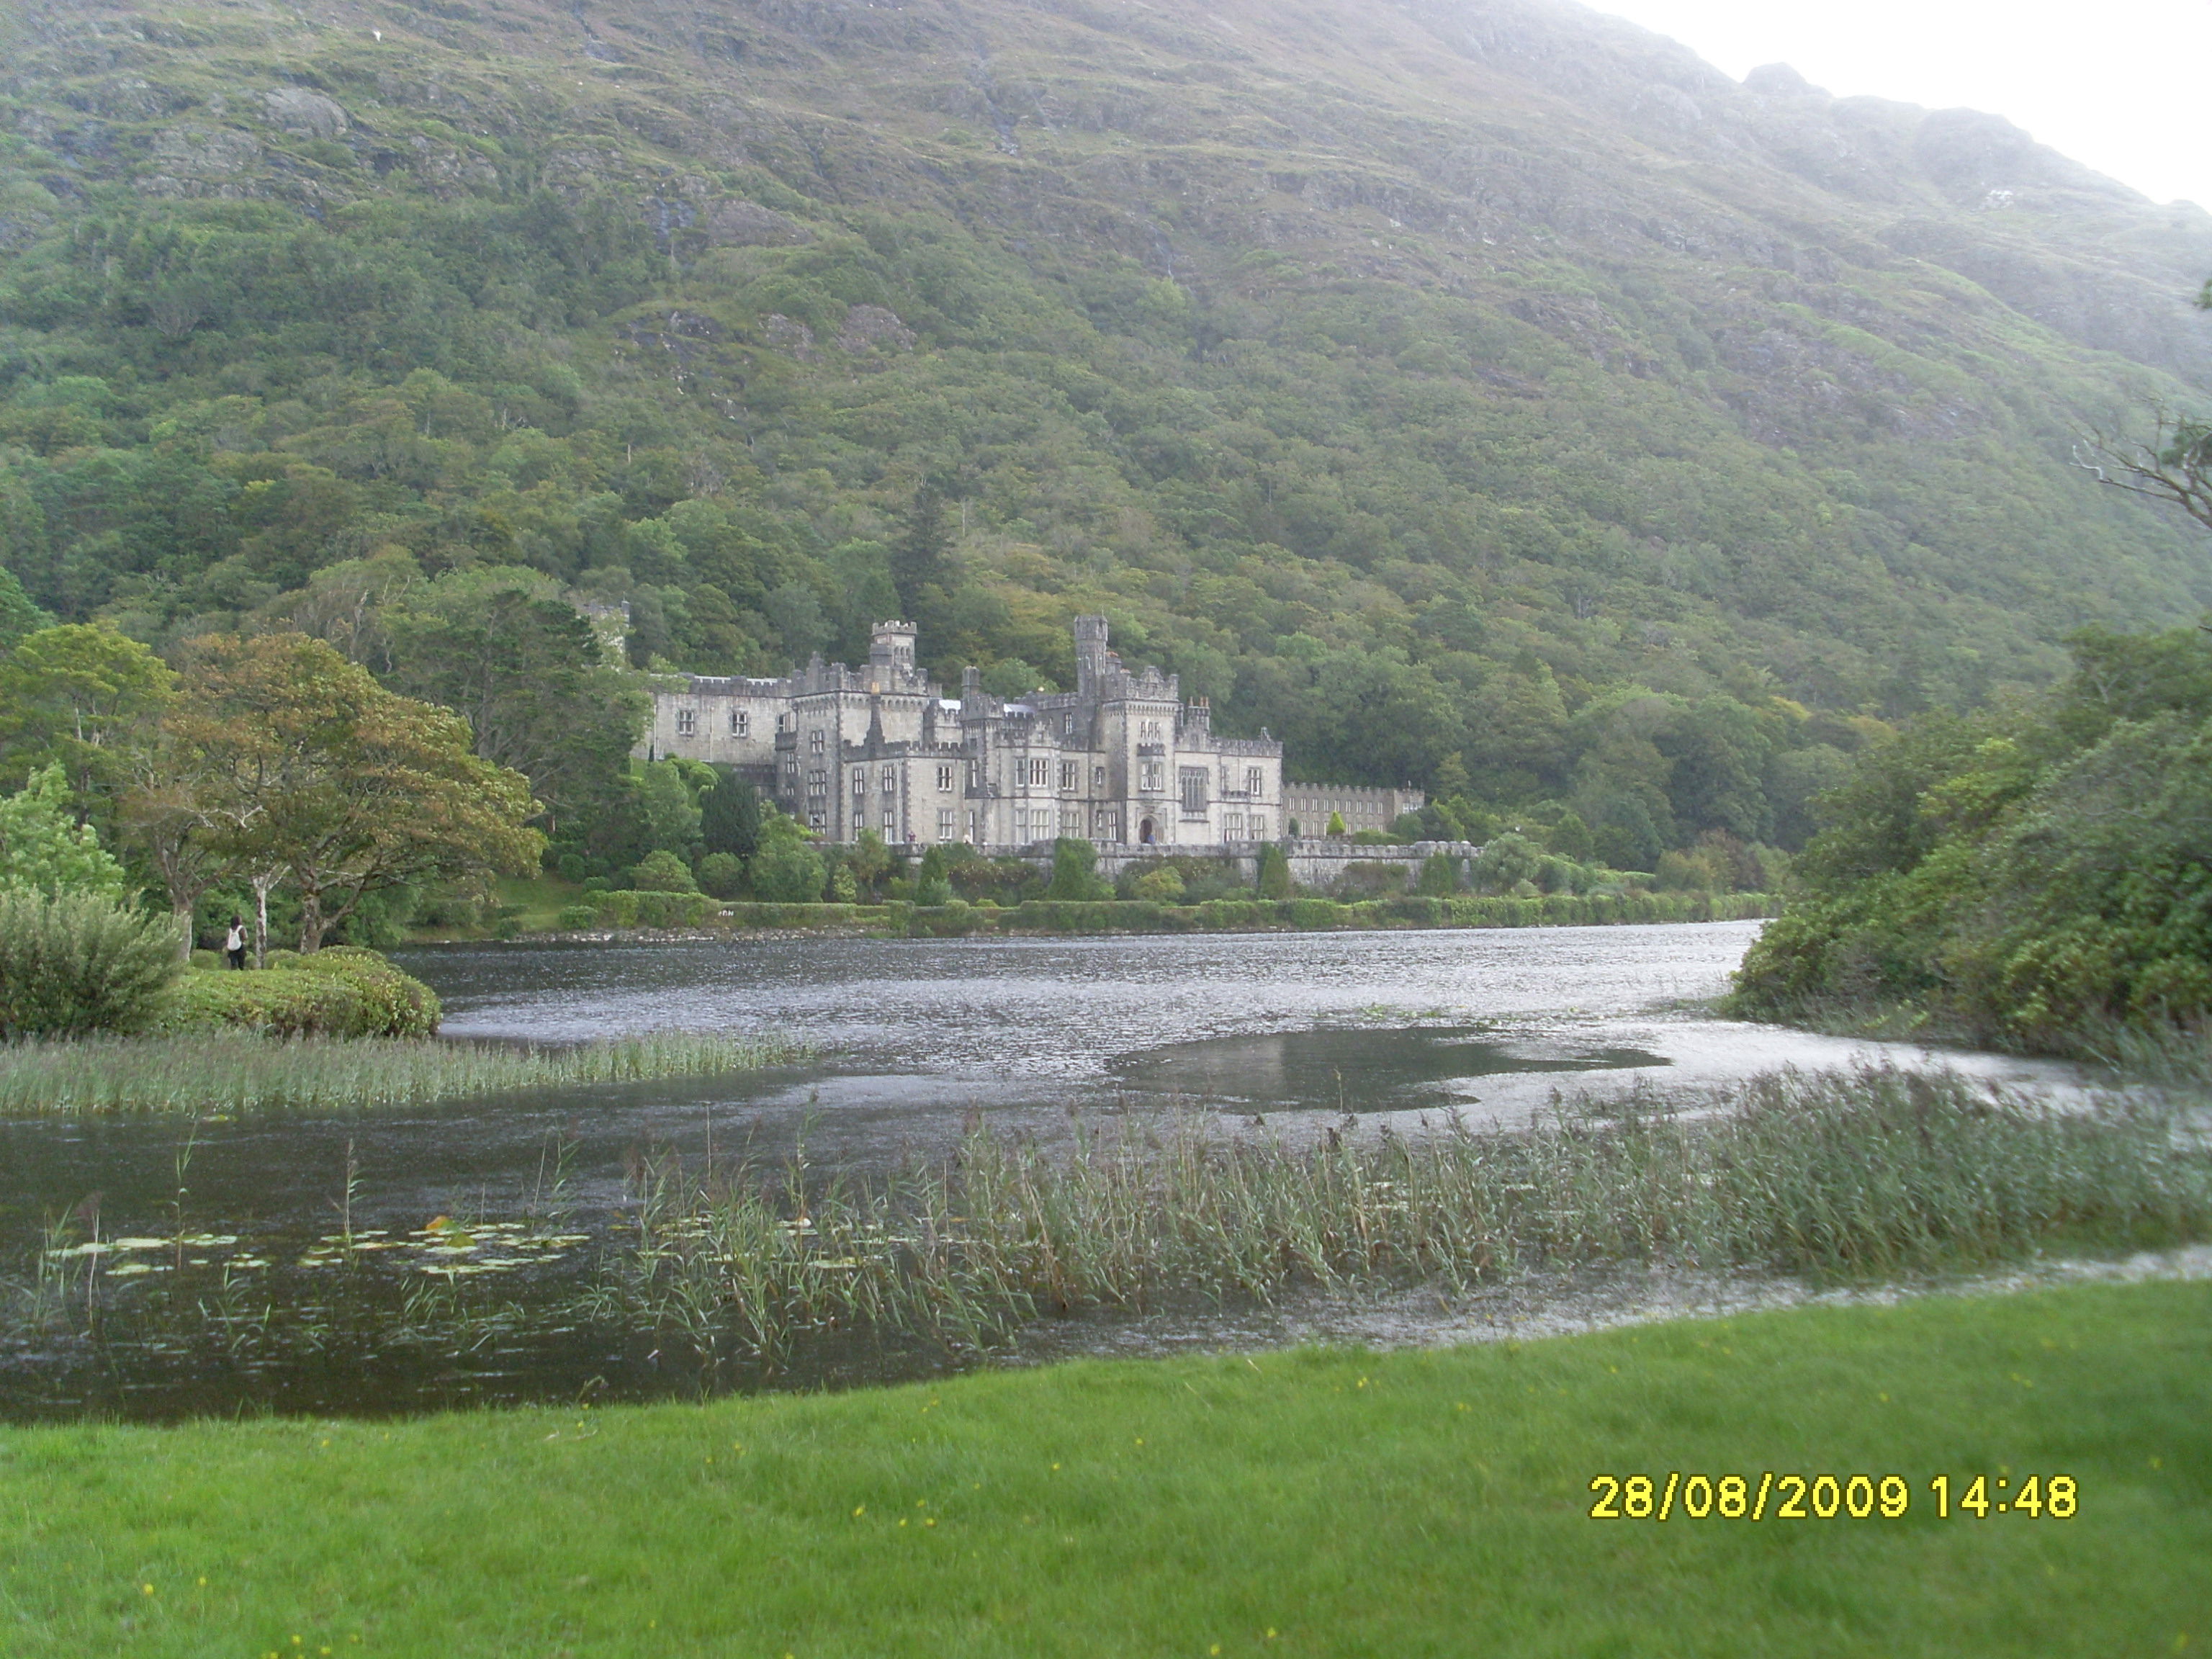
x,y
1482,392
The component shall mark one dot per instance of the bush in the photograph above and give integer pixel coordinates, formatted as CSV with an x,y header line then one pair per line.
x,y
663,872
578,915
1158,886
722,874
789,874
1074,872
1439,876
651,909
340,991
80,962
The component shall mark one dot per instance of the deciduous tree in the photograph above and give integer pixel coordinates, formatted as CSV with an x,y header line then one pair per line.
x,y
312,767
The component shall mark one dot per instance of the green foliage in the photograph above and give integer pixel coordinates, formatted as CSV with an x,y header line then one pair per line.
x,y
573,916
85,699
2035,877
18,616
1566,519
671,805
43,851
623,908
722,874
1161,886
663,872
340,991
730,816
74,963
1274,882
1439,877
788,873
1074,872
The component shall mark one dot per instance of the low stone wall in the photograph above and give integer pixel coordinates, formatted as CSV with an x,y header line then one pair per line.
x,y
1315,861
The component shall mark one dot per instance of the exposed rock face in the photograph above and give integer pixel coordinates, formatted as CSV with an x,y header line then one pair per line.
x,y
868,327
309,114
748,224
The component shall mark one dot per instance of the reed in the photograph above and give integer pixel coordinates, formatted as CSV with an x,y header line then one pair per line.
x,y
1873,1173
220,1073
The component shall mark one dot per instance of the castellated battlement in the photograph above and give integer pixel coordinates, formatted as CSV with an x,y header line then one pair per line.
x,y
1121,761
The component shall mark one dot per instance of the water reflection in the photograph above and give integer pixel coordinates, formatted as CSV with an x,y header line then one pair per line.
x,y
917,1038
1356,1068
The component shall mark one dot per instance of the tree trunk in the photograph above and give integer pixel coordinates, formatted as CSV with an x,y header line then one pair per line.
x,y
310,920
181,914
262,883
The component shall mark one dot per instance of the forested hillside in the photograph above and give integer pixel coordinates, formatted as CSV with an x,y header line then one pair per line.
x,y
1486,396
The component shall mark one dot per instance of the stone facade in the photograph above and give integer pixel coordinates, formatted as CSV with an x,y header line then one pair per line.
x,y
1121,761
1361,808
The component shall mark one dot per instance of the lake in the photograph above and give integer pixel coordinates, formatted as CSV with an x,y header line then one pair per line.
x,y
232,1298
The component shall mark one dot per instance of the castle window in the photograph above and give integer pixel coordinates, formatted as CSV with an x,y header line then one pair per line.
x,y
1068,774
945,784
1040,771
687,722
1194,789
860,782
1232,827
741,723
814,742
890,779
1097,779
945,817
1256,826
1254,782
1150,771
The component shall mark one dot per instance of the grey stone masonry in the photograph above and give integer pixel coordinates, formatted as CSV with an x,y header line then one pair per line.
x,y
1121,761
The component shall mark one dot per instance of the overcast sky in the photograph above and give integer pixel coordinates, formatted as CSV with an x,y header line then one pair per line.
x,y
2125,87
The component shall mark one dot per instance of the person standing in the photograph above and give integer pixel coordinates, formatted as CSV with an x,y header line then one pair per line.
x,y
234,943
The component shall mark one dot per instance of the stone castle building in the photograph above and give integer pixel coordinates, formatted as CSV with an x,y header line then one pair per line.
x,y
1121,761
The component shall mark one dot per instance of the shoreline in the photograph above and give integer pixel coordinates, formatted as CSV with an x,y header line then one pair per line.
x,y
1123,919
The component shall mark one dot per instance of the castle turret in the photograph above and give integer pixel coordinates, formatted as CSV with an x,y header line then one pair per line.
x,y
1091,655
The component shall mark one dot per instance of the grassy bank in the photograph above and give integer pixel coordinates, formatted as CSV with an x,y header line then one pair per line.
x,y
1057,916
1304,1502
216,1072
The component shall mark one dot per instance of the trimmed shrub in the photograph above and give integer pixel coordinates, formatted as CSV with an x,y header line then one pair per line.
x,y
1159,886
634,909
80,962
722,874
340,991
663,872
788,873
578,915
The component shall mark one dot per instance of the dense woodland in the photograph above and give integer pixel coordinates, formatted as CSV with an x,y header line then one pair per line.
x,y
1425,412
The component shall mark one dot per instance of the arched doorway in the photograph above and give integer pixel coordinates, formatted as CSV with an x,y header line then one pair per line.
x,y
1145,832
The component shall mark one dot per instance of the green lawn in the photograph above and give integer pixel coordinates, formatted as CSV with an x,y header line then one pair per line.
x,y
1301,1503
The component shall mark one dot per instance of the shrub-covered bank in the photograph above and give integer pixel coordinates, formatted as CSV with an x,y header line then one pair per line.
x,y
958,921
340,991
2038,876
1306,1502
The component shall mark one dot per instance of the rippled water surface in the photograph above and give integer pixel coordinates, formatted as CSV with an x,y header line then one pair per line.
x,y
915,1037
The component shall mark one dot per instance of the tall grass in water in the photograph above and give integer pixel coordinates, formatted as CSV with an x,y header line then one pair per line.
x,y
238,1072
1871,1174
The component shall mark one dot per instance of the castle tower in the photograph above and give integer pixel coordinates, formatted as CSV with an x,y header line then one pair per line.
x,y
1090,655
892,643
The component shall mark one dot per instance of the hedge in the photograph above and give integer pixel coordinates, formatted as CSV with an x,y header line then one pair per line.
x,y
340,991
